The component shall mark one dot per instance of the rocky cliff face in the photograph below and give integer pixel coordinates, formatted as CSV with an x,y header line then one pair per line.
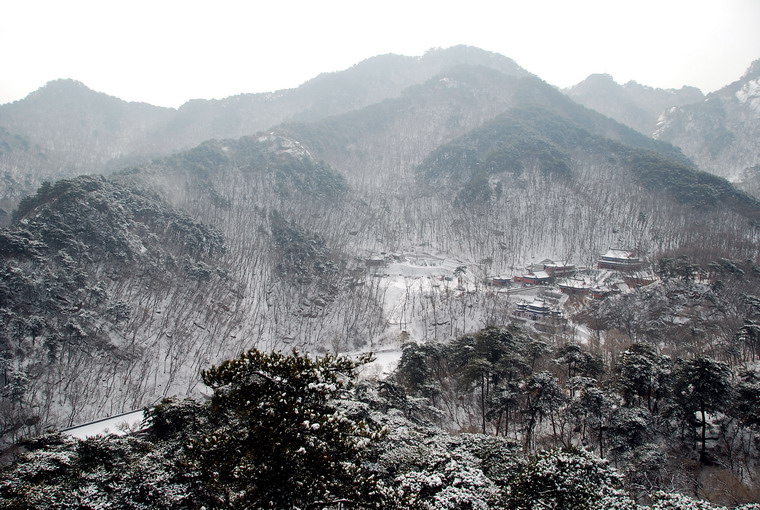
x,y
722,133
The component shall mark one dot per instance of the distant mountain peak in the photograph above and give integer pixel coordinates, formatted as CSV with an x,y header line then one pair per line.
x,y
594,85
464,51
66,82
62,85
601,77
57,93
753,71
633,104
720,134
471,55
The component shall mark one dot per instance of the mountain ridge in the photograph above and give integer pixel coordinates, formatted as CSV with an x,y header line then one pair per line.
x,y
337,234
632,104
90,131
720,133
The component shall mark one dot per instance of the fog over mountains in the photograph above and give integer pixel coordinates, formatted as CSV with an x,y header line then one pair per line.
x,y
64,128
393,153
361,210
720,133
68,129
632,104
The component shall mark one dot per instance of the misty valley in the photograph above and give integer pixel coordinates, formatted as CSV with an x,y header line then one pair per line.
x,y
422,282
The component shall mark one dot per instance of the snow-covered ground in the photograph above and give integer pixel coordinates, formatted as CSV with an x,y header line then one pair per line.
x,y
414,275
385,362
118,425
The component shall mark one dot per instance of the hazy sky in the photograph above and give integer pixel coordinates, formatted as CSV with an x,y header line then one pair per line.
x,y
165,52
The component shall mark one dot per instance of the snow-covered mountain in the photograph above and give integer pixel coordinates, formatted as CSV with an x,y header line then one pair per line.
x,y
313,232
635,105
408,201
80,131
722,133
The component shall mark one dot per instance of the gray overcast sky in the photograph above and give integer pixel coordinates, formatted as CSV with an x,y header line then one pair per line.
x,y
165,52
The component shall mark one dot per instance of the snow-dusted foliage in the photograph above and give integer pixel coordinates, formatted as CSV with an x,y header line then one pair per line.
x,y
57,471
676,501
429,469
451,487
276,439
290,431
567,478
69,270
657,419
379,227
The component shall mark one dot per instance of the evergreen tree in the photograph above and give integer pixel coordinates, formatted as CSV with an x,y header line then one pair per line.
x,y
746,403
643,376
543,396
564,479
278,440
702,385
490,360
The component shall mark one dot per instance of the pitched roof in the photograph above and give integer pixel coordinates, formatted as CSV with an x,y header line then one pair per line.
x,y
614,253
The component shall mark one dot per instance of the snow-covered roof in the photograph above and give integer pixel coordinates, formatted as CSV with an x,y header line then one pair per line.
x,y
574,283
561,263
619,254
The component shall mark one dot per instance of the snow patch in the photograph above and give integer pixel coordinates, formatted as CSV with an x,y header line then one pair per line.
x,y
663,121
117,425
750,94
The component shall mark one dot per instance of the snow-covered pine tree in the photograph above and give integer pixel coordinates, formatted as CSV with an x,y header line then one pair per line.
x,y
278,441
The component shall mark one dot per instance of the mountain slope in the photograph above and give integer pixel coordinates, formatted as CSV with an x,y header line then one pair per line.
x,y
89,261
364,84
82,131
112,298
632,104
720,133
341,234
67,130
526,137
379,145
383,143
19,161
390,152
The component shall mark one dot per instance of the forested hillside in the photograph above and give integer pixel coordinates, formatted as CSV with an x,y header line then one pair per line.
x,y
288,431
720,133
420,217
631,104
83,131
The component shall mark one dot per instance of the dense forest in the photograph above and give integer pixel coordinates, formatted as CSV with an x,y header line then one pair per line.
x,y
537,426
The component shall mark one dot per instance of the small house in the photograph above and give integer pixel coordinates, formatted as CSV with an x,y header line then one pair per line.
x,y
501,281
537,278
636,280
574,287
374,262
537,309
619,260
557,269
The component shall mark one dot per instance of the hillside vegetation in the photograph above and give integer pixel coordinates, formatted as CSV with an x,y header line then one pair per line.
x,y
392,222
